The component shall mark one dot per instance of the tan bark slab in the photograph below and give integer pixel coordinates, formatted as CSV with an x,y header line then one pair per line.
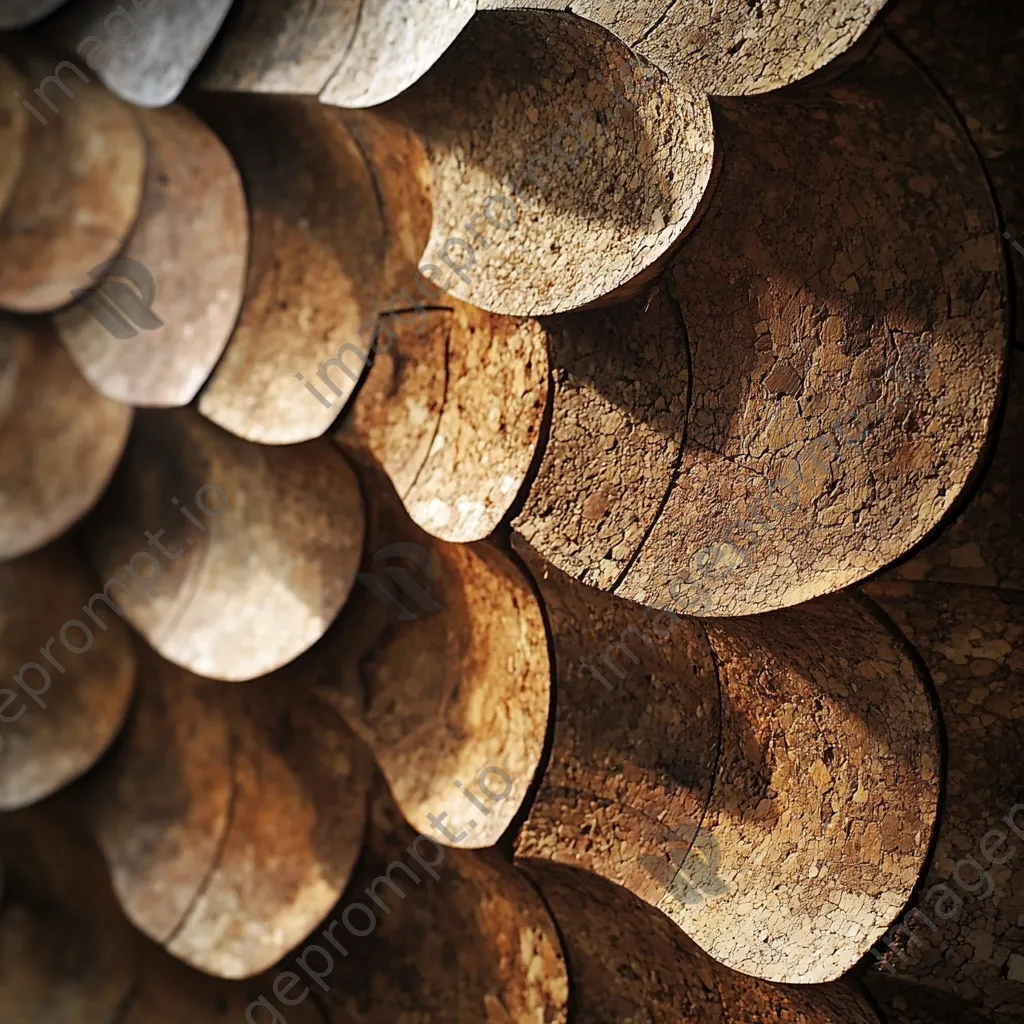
x,y
13,128
983,546
395,44
256,582
148,58
75,198
847,345
774,798
231,817
440,665
975,52
469,942
60,441
624,955
20,13
192,236
620,381
316,270
620,161
967,940
57,734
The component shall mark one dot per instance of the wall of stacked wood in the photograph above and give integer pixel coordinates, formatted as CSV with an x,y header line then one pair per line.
x,y
511,511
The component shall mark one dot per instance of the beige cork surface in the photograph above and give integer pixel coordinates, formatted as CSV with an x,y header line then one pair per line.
x,y
192,237
259,580
52,738
573,163
847,344
969,941
76,196
316,270
60,440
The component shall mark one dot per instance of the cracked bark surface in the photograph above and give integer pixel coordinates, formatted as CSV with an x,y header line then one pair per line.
x,y
441,668
974,52
969,941
782,842
847,365
316,270
553,89
254,584
60,441
231,817
192,237
74,200
624,955
53,739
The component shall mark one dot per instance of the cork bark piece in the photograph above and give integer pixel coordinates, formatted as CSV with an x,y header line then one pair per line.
x,y
620,380
636,733
847,351
623,954
983,545
192,241
270,47
825,795
316,270
440,665
459,937
146,52
262,544
60,441
394,45
231,817
563,166
76,196
974,52
21,13
13,128
68,705
965,939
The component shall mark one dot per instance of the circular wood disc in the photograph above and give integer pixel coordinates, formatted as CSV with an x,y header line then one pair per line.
x,y
60,715
394,45
470,942
145,56
529,121
440,664
192,237
623,954
60,441
825,795
316,272
75,198
254,582
847,348
20,13
967,939
13,129
231,817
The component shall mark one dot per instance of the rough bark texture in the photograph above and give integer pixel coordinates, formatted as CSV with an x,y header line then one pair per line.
x,y
149,62
231,817
969,941
620,381
847,344
60,441
551,98
13,129
192,236
316,271
75,198
984,546
395,44
976,53
55,736
440,664
628,962
256,582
